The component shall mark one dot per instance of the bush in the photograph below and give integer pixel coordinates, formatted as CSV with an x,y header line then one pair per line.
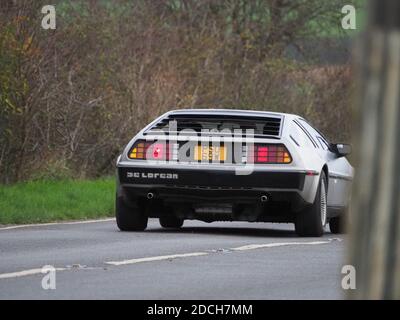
x,y
70,99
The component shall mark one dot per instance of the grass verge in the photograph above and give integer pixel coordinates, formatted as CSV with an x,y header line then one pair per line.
x,y
49,201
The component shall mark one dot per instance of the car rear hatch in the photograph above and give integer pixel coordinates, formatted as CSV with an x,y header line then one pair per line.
x,y
212,151
213,139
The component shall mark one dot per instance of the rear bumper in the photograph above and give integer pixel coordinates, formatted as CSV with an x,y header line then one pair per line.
x,y
206,185
176,194
214,179
243,204
185,190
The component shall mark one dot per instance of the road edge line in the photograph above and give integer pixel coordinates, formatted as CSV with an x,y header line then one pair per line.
x,y
21,226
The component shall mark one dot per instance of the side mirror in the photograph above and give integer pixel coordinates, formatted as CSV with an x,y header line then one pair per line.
x,y
341,149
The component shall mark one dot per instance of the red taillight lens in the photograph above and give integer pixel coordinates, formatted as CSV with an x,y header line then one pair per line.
x,y
144,150
271,153
158,151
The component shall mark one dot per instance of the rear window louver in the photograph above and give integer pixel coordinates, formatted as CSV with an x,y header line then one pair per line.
x,y
262,126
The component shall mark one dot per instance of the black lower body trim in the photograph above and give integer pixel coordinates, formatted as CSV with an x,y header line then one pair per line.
x,y
246,205
336,211
211,178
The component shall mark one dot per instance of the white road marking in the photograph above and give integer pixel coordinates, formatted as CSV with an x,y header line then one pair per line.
x,y
157,258
195,254
25,273
172,256
56,223
277,244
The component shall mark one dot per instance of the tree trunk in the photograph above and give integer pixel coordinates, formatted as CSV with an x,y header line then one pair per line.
x,y
374,241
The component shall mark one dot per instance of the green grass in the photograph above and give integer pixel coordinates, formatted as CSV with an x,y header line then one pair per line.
x,y
47,201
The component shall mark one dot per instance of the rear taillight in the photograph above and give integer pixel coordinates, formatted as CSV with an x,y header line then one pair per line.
x,y
271,153
138,151
257,153
144,150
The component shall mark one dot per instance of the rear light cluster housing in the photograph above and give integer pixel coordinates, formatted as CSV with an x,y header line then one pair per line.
x,y
257,153
269,153
146,150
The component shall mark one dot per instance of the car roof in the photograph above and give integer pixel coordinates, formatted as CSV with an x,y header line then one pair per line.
x,y
231,112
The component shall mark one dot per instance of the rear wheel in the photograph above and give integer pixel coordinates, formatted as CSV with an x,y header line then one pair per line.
x,y
171,222
311,221
129,218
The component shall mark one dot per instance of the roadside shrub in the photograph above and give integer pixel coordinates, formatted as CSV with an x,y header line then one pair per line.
x,y
70,99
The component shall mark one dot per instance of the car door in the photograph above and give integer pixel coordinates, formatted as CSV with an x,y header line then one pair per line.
x,y
340,170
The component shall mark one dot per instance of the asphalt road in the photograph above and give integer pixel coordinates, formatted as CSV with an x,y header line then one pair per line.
x,y
200,261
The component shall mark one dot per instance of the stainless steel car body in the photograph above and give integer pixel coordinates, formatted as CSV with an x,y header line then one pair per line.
x,y
311,155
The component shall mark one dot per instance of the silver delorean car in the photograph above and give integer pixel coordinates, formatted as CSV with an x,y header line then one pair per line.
x,y
233,165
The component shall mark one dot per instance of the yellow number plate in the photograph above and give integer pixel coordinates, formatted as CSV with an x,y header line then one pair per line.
x,y
203,153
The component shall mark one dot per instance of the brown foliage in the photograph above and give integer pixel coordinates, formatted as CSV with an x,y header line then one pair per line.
x,y
70,99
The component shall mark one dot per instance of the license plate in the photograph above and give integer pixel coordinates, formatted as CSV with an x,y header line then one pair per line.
x,y
204,153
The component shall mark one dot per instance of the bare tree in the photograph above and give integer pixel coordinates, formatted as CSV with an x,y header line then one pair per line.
x,y
71,98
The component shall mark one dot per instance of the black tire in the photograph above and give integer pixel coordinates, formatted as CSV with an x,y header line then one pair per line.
x,y
335,225
129,218
171,222
311,221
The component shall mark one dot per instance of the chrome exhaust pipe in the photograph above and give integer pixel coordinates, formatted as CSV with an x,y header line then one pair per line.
x,y
264,198
150,195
